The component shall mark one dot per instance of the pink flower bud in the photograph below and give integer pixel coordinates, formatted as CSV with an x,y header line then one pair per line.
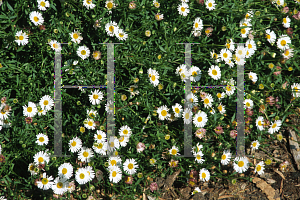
x,y
140,147
233,134
153,186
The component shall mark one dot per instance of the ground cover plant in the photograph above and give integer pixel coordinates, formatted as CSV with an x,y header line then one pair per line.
x,y
150,76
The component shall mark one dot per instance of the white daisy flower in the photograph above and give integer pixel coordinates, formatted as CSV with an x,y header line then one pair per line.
x,y
60,185
229,62
36,18
110,107
199,157
242,164
240,61
248,103
197,189
191,98
41,157
210,4
212,111
159,16
245,31
180,68
100,136
215,56
114,161
229,90
282,42
100,148
208,101
4,114
177,109
185,74
249,53
278,2
156,4
240,52
92,113
85,154
183,9
271,36
130,166
30,110
123,140
250,45
31,167
221,95
88,4
55,45
121,35
198,24
125,131
295,89
255,144
65,170
221,109
81,176
275,126
113,144
43,5
198,147
259,168
259,123
154,77
249,15
21,38
75,145
163,112
110,5
200,119
46,102
214,72
76,38
204,175
288,53
90,124
174,151
225,158
111,28
253,76
46,182
230,45
90,172
83,52
96,97
115,174
187,115
195,74
225,54
42,139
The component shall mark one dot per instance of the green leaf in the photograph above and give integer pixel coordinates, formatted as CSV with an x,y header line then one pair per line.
x,y
162,49
52,6
9,6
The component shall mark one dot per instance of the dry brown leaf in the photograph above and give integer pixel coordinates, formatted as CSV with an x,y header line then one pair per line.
x,y
267,189
281,174
271,181
170,180
226,196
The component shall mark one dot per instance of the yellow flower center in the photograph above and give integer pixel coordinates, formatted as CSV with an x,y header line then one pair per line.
x,y
203,175
99,137
21,37
219,95
225,55
41,159
95,96
228,88
112,144
81,176
259,123
182,9
125,132
130,166
29,109
248,104
258,168
85,154
199,119
45,181
43,4
254,144
283,42
90,123
121,35
73,144
121,139
187,115
214,72
153,77
75,36
243,31
83,52
209,4
41,139
206,101
196,25
100,146
64,171
284,20
177,110
114,174
113,162
111,28
274,125
286,52
46,102
174,151
220,108
249,46
59,185
36,19
223,157
241,163
109,5
164,113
